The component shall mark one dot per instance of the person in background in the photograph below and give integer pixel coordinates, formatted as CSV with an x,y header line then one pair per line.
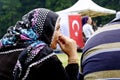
x,y
38,60
94,25
87,27
101,55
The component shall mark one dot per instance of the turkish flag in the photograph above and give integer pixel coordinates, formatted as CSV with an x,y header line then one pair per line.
x,y
75,28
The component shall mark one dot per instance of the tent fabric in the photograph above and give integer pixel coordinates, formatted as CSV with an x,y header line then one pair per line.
x,y
87,7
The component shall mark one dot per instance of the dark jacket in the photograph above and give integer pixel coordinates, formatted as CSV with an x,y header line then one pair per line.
x,y
8,59
49,69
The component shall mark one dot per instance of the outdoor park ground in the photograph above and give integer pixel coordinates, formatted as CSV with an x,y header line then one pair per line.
x,y
63,58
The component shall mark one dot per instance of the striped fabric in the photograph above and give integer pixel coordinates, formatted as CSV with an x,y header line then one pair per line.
x,y
101,54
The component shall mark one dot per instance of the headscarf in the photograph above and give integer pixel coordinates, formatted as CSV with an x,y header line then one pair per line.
x,y
36,28
36,25
84,20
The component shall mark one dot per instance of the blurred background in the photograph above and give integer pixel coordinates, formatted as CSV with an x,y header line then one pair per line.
x,y
12,10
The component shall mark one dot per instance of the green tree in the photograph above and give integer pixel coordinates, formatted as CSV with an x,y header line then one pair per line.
x,y
8,14
57,5
28,5
110,4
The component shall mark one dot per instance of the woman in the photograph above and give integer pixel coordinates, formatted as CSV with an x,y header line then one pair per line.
x,y
38,61
87,27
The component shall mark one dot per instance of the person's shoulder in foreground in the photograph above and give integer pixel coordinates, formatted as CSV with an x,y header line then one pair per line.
x,y
11,45
101,54
38,61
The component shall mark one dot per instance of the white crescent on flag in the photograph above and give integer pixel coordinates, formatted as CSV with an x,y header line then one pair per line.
x,y
75,22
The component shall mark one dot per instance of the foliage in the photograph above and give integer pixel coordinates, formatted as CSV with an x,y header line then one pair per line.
x,y
8,13
110,4
57,5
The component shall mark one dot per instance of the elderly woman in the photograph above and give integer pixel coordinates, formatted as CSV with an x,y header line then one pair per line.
x,y
37,35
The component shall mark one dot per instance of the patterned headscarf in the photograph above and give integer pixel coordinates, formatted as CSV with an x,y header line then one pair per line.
x,y
36,25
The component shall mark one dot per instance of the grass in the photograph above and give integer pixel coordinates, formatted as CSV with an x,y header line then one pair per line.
x,y
64,59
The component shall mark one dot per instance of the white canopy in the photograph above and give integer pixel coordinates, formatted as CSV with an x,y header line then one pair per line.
x,y
87,7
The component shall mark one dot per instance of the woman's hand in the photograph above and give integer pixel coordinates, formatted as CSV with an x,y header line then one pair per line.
x,y
69,47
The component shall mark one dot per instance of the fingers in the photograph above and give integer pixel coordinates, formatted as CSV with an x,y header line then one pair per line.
x,y
61,39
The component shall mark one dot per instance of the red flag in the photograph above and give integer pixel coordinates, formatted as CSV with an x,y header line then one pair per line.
x,y
75,28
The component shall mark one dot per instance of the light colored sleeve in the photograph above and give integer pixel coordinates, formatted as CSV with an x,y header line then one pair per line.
x,y
91,29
